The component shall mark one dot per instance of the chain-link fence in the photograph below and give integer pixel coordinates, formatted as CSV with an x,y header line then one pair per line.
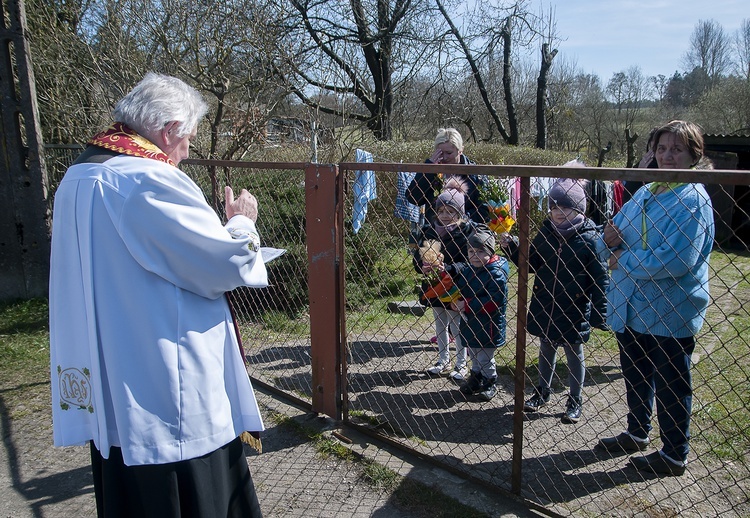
x,y
553,463
341,328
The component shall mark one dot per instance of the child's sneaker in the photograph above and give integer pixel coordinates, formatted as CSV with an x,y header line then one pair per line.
x,y
538,400
433,340
488,389
439,369
473,385
573,410
459,374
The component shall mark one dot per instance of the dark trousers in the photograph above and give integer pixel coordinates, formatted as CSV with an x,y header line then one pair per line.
x,y
217,484
657,367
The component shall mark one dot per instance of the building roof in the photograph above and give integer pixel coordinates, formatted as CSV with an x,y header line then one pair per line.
x,y
727,143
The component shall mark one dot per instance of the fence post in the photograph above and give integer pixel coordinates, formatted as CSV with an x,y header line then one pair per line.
x,y
523,291
324,224
24,214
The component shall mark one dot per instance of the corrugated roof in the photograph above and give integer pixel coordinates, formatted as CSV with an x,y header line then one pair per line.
x,y
727,143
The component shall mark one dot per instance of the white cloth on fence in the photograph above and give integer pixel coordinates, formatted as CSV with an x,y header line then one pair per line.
x,y
364,191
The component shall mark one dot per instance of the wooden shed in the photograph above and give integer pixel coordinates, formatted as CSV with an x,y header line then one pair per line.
x,y
731,202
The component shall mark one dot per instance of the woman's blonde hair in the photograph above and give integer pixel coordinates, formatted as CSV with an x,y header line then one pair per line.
x,y
450,135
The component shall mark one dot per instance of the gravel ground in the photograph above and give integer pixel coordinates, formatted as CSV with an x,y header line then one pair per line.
x,y
291,476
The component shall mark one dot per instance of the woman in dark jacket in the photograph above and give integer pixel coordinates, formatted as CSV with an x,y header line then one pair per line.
x,y
569,290
423,189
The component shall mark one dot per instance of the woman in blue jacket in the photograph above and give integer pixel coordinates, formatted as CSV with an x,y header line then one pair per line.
x,y
661,241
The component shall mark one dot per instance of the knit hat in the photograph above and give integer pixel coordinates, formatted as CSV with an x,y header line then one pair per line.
x,y
568,193
452,196
482,238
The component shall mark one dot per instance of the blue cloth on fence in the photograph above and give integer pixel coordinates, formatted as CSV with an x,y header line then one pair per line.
x,y
364,191
404,209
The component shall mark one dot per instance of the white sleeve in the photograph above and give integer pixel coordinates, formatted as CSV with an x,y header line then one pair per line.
x,y
170,229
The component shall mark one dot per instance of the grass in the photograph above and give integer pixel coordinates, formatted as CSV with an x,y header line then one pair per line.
x,y
721,406
24,348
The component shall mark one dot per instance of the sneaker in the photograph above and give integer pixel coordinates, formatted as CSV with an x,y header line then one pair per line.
x,y
572,410
538,400
657,463
473,385
433,340
488,393
488,389
623,443
459,374
439,369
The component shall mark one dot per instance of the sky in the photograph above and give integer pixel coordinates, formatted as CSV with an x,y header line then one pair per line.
x,y
608,36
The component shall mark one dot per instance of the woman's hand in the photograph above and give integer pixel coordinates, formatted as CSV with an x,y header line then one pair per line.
x,y
437,157
458,305
614,259
505,240
612,236
646,159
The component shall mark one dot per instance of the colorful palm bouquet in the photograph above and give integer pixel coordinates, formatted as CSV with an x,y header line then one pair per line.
x,y
500,219
440,283
495,196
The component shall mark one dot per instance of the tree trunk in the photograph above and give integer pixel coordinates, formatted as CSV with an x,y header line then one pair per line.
x,y
541,96
509,104
630,140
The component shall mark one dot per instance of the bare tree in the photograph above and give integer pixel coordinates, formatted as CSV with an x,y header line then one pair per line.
x,y
659,84
627,92
70,98
496,25
361,50
742,49
473,64
541,90
709,50
97,53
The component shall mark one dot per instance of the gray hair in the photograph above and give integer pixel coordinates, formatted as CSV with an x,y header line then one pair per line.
x,y
158,100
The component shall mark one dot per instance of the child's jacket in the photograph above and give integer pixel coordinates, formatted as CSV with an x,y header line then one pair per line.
x,y
570,284
485,293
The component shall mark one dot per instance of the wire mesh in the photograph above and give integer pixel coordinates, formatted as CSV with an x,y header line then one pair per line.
x,y
387,391
274,321
390,392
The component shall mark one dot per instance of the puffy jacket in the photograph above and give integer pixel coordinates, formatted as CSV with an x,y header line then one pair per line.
x,y
570,283
485,294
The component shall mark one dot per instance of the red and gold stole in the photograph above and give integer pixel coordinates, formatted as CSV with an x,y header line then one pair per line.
x,y
121,139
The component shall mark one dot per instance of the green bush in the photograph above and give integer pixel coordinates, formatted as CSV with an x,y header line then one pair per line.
x,y
377,266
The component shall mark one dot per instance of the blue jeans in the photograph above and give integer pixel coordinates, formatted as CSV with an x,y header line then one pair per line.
x,y
658,367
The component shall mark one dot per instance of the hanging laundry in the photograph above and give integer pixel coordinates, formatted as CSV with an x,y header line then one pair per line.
x,y
364,191
404,209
